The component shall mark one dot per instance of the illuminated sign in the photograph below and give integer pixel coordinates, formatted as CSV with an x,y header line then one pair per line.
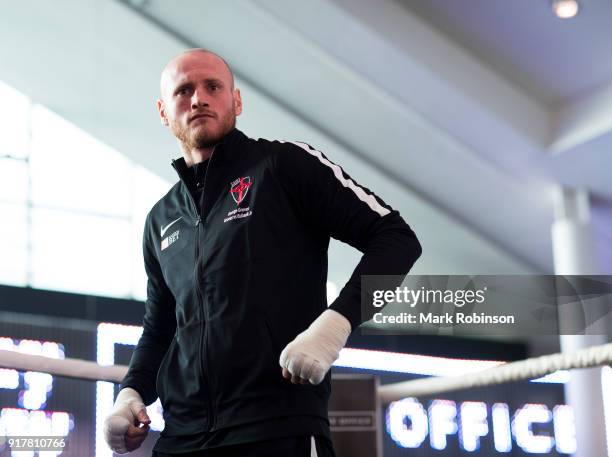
x,y
28,416
409,424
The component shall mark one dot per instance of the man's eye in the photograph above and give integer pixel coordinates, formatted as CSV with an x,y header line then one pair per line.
x,y
214,87
184,91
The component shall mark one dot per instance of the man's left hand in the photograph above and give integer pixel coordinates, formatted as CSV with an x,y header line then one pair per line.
x,y
311,354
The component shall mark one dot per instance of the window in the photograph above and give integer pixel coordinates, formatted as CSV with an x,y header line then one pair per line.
x,y
72,208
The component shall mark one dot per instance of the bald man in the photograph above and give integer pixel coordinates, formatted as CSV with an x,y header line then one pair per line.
x,y
238,338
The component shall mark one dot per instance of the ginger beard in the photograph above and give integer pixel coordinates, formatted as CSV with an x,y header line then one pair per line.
x,y
204,132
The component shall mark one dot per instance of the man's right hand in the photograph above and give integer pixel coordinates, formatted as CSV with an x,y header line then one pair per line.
x,y
127,426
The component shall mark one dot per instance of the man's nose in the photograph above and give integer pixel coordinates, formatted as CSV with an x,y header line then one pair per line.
x,y
199,98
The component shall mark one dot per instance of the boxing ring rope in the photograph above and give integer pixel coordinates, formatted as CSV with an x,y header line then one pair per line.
x,y
68,368
507,372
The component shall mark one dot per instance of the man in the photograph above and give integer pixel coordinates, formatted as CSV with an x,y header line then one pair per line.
x,y
236,258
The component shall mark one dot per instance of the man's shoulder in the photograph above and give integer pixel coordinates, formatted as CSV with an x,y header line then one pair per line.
x,y
169,198
287,149
280,144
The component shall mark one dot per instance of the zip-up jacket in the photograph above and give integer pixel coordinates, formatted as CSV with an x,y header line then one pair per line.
x,y
234,277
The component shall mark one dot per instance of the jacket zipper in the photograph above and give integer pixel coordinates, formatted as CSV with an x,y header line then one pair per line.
x,y
203,353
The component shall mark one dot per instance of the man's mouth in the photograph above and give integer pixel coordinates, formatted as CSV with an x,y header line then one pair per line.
x,y
201,116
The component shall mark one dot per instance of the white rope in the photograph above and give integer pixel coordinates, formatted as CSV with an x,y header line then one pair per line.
x,y
508,372
69,368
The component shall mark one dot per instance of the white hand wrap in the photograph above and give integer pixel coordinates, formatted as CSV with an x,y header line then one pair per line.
x,y
311,354
125,411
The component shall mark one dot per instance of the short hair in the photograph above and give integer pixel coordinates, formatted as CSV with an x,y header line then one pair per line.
x,y
207,51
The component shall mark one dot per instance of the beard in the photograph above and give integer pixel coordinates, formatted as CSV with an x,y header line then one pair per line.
x,y
204,135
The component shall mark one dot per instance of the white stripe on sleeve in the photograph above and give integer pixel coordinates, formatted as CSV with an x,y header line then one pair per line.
x,y
368,199
313,447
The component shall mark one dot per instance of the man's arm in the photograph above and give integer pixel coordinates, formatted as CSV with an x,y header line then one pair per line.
x,y
333,204
159,326
126,427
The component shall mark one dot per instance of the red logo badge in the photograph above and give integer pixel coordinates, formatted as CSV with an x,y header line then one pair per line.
x,y
239,188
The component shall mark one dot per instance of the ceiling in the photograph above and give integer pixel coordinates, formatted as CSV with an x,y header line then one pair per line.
x,y
507,83
554,61
463,115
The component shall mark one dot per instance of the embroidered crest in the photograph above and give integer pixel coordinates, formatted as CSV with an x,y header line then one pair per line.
x,y
239,188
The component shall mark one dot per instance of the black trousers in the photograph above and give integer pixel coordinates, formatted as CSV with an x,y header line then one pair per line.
x,y
294,446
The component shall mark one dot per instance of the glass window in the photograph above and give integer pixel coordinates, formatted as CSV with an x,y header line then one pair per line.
x,y
13,244
80,228
80,253
71,169
14,111
13,180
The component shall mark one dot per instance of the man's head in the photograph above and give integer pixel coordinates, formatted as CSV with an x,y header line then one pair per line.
x,y
198,99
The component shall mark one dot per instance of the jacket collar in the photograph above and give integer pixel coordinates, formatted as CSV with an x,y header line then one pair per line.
x,y
226,150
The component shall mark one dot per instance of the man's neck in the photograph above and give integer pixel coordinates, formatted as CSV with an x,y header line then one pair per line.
x,y
196,155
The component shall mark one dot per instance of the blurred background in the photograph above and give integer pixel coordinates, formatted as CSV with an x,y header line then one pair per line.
x,y
486,123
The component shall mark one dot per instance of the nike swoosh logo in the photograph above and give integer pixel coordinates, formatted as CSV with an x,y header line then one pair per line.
x,y
164,229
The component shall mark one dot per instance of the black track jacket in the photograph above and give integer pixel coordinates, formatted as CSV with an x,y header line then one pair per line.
x,y
234,278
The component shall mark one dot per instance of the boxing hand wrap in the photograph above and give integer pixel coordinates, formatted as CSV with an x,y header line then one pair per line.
x,y
129,410
311,354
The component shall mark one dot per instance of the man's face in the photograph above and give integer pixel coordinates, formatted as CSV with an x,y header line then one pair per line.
x,y
199,102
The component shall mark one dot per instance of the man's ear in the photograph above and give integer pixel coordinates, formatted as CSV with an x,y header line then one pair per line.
x,y
161,109
237,102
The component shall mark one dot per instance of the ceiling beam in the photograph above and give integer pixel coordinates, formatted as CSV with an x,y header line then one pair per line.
x,y
582,121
